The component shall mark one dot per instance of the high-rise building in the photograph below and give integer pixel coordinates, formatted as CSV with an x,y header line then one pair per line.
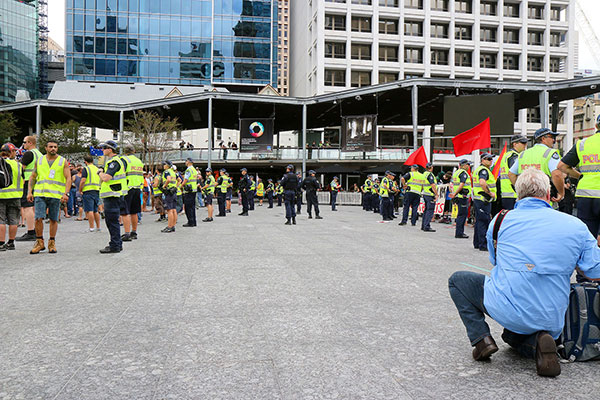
x,y
283,48
18,49
183,42
342,44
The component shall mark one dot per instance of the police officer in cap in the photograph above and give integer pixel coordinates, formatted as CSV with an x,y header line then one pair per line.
x,y
222,186
385,188
189,184
244,188
544,157
112,190
430,196
484,193
209,190
290,185
460,196
299,193
311,185
413,184
507,192
269,191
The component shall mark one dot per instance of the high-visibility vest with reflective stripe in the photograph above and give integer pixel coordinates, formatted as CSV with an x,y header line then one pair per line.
x,y
92,182
210,181
415,182
427,191
117,186
367,186
31,166
506,188
15,190
373,188
260,189
536,157
588,151
193,179
491,182
384,187
270,187
157,190
456,182
224,183
173,176
252,185
134,172
45,186
280,189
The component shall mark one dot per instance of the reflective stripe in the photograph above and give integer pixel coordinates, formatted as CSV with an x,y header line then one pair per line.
x,y
588,193
582,144
52,182
589,168
547,153
104,195
135,173
44,190
509,195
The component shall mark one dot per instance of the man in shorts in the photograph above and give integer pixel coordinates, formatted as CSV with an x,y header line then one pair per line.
x,y
209,189
49,184
10,198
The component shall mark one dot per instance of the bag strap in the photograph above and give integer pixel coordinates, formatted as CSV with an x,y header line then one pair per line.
x,y
499,219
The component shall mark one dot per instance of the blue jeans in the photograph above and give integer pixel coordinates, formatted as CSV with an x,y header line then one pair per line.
x,y
71,204
428,214
333,199
483,216
461,217
199,199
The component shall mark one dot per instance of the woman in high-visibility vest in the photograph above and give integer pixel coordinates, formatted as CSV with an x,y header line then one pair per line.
x,y
260,191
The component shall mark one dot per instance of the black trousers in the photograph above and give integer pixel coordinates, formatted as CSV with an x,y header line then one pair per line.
x,y
299,202
461,217
290,201
250,200
189,201
112,211
483,216
221,197
429,210
387,208
244,201
270,199
312,201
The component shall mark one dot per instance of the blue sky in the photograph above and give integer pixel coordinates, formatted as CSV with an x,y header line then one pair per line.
x,y
56,22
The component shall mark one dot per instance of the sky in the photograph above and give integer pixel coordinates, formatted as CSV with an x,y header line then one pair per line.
x,y
56,22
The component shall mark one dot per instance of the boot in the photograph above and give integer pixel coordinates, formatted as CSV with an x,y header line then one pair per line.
x,y
294,220
318,217
288,222
39,246
52,246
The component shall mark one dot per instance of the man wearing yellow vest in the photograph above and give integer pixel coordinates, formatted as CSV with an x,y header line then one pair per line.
x,y
112,189
544,157
461,182
10,198
430,196
484,193
190,186
51,180
413,183
223,184
29,160
385,188
586,156
133,197
157,195
89,186
507,192
209,190
169,189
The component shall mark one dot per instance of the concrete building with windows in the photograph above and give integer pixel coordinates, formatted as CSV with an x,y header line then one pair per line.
x,y
176,42
343,44
283,48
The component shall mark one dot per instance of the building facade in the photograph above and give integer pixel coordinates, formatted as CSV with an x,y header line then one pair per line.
x,y
18,49
283,48
340,44
182,42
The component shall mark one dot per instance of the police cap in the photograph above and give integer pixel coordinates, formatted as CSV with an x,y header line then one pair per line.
x,y
208,170
414,166
243,169
290,167
312,171
109,144
487,156
428,165
543,132
167,162
189,159
463,161
518,139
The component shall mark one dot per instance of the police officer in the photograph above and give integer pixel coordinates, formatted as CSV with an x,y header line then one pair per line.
x,y
461,194
222,185
586,156
375,199
169,189
413,183
387,208
190,186
229,194
209,190
430,196
311,185
132,199
335,188
299,193
279,191
244,188
484,193
269,191
507,192
366,190
544,157
112,190
289,182
251,193
158,195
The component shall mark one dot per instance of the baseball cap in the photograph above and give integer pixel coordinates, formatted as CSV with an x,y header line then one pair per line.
x,y
487,156
243,169
189,159
518,138
463,161
543,132
109,144
169,163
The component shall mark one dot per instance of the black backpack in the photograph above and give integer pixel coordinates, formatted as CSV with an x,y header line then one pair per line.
x,y
6,175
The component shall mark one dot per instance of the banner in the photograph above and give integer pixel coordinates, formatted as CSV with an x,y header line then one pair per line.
x,y
256,134
358,133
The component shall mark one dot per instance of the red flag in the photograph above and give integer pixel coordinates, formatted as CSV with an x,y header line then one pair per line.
x,y
474,139
496,170
417,157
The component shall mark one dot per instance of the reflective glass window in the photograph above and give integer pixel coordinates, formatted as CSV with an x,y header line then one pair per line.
x,y
122,27
78,22
165,7
175,27
111,5
100,45
90,23
90,4
100,23
79,4
133,5
145,5
175,6
186,27
154,26
123,5
122,67
154,6
100,67
121,46
111,45
89,44
110,67
78,44
164,48
100,5
144,22
133,23
111,24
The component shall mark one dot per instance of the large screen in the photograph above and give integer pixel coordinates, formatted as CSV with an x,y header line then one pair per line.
x,y
256,134
462,113
358,132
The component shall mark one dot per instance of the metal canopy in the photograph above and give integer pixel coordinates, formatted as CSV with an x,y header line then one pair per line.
x,y
390,101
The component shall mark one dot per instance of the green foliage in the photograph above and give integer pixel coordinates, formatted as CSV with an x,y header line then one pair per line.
x,y
8,127
71,137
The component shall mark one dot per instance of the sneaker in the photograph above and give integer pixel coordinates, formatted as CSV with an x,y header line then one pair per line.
x,y
133,235
3,247
168,230
27,237
126,237
89,230
9,246
97,229
318,217
108,250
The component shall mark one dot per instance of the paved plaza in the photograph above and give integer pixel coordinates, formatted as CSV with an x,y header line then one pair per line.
x,y
248,308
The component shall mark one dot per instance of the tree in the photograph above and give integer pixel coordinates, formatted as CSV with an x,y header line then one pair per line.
x,y
71,137
150,134
8,127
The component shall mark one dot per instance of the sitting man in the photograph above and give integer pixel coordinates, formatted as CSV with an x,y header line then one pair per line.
x,y
527,292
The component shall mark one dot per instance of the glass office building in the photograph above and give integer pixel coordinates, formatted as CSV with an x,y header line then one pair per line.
x,y
184,42
18,49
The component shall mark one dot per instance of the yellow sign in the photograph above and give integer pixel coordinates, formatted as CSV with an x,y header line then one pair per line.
x,y
454,210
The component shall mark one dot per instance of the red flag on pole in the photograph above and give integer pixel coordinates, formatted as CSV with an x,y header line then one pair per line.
x,y
417,157
496,170
474,139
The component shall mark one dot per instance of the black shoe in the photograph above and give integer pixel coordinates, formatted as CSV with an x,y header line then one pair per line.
x,y
428,230
318,217
294,221
3,247
546,358
133,235
288,222
270,207
463,236
160,219
219,215
244,214
207,220
27,237
333,210
310,217
108,250
402,223
228,211
9,246
188,225
168,230
483,249
126,237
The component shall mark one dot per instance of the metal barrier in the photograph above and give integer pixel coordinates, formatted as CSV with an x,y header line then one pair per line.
x,y
343,198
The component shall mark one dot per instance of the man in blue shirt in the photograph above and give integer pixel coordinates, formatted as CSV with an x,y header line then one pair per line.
x,y
528,290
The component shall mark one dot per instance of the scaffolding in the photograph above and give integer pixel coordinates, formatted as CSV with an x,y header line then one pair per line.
x,y
42,16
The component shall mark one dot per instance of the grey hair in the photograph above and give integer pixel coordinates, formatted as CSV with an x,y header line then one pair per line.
x,y
532,183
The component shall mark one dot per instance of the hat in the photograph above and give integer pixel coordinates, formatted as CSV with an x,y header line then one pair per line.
x,y
8,147
290,167
518,139
312,171
463,161
109,144
243,169
392,173
169,163
543,132
335,177
269,180
208,170
387,172
222,170
189,159
428,165
487,156
414,166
